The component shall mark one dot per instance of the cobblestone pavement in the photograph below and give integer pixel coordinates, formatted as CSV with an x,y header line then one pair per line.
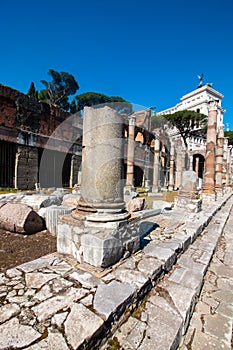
x,y
211,324
50,303
163,317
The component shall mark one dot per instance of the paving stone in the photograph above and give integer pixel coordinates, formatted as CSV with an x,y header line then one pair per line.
x,y
62,268
53,305
59,284
219,295
132,277
212,326
14,272
182,298
151,267
59,319
38,263
7,311
86,279
44,293
186,260
81,324
13,334
131,333
53,341
188,278
110,297
225,309
164,254
202,341
164,329
38,279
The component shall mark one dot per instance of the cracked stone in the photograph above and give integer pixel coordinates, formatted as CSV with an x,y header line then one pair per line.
x,y
7,311
38,279
80,324
13,334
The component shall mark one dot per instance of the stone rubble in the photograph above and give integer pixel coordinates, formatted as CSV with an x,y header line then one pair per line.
x,y
50,303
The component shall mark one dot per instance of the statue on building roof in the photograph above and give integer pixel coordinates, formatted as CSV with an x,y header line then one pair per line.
x,y
200,77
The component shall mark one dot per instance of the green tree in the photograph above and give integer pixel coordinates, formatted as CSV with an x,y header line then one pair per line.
x,y
90,99
58,90
188,123
229,134
32,90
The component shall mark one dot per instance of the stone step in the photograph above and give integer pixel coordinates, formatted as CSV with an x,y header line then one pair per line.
x,y
55,303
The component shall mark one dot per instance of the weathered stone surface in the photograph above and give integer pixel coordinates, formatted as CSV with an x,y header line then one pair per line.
x,y
164,329
13,334
187,278
81,324
51,306
132,277
101,249
131,334
38,279
211,326
165,254
37,263
87,280
159,204
59,319
151,267
136,204
54,341
51,217
7,311
20,218
110,297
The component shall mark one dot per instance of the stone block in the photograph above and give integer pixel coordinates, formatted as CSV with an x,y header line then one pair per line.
x,y
51,217
101,249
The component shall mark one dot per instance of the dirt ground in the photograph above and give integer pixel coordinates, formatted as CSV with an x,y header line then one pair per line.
x,y
16,249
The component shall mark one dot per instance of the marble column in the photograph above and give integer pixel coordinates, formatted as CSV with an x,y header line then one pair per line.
x,y
171,170
219,160
224,164
156,185
102,165
130,154
209,175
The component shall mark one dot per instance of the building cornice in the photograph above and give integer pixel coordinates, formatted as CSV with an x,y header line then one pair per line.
x,y
205,88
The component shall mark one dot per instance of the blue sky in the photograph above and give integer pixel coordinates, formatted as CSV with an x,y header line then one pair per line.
x,y
149,52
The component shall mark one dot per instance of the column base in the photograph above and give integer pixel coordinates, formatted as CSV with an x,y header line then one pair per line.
x,y
97,246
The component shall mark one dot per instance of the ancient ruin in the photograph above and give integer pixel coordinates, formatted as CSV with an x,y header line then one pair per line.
x,y
98,232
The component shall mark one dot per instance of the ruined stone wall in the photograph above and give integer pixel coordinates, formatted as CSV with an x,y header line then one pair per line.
x,y
26,167
33,125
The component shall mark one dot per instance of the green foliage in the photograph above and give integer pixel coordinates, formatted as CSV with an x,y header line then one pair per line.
x,y
188,123
229,134
158,121
58,90
32,90
90,99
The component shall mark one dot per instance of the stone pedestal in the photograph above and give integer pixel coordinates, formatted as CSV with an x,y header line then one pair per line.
x,y
187,198
98,231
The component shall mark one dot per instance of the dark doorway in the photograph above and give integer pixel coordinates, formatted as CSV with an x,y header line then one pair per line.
x,y
7,164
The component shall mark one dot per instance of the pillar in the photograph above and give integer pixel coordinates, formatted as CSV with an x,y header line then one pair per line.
x,y
156,185
219,160
130,154
209,176
191,163
228,172
171,170
102,165
224,164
